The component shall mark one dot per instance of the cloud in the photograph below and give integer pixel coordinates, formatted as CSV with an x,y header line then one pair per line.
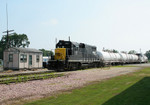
x,y
52,22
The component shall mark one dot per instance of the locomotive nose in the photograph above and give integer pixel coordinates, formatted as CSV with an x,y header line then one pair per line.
x,y
60,53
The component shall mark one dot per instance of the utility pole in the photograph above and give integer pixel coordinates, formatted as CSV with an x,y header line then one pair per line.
x,y
7,31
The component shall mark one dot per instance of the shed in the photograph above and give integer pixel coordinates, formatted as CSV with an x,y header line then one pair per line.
x,y
22,58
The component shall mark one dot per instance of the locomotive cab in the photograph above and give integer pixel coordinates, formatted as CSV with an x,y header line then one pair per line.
x,y
62,52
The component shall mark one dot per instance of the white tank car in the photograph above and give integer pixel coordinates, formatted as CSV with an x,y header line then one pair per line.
x,y
124,57
132,58
121,58
142,58
110,58
135,58
146,59
129,58
118,57
104,56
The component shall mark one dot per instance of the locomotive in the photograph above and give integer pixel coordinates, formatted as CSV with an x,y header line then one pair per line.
x,y
72,55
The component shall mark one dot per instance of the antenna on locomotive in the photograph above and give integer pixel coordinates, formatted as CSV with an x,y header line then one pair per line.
x,y
56,40
69,38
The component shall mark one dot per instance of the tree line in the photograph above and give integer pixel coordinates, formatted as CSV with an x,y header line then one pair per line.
x,y
18,40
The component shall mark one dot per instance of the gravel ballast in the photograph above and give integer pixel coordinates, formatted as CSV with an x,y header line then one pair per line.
x,y
42,88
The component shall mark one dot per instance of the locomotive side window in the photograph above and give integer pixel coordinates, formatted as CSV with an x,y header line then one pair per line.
x,y
82,45
75,50
94,48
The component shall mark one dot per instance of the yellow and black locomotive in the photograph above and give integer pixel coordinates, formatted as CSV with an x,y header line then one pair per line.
x,y
71,55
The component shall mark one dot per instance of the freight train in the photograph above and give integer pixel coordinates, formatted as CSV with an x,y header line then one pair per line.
x,y
72,55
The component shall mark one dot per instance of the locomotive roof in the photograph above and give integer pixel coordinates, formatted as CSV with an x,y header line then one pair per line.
x,y
77,44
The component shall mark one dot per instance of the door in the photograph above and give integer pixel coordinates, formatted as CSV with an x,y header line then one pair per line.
x,y
30,60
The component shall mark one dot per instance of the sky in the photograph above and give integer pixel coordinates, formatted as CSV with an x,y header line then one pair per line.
x,y
123,25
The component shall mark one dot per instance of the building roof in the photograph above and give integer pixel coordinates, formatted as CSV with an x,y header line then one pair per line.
x,y
27,50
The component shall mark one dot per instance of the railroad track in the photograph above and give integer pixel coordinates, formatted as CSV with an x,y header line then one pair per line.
x,y
13,74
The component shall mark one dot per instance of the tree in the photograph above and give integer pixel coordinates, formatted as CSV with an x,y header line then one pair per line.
x,y
114,51
46,52
148,54
124,52
132,52
15,40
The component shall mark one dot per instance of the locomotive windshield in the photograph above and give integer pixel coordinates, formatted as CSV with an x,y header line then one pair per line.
x,y
63,44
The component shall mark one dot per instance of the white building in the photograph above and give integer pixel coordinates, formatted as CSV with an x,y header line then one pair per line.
x,y
22,58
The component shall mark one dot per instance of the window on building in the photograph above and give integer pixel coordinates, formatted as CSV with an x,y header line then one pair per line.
x,y
23,58
10,57
37,58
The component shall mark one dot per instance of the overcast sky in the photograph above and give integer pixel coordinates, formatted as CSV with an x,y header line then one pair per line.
x,y
123,25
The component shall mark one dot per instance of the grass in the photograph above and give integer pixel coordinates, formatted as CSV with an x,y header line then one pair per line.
x,y
130,89
23,78
22,75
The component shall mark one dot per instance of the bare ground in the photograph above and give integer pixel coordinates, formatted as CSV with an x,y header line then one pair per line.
x,y
14,93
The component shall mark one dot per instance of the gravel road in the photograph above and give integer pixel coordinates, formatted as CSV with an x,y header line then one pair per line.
x,y
42,88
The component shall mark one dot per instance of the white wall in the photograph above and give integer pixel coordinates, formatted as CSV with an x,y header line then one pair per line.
x,y
17,64
34,63
11,65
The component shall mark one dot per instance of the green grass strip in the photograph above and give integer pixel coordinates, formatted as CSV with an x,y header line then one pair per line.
x,y
24,78
130,89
